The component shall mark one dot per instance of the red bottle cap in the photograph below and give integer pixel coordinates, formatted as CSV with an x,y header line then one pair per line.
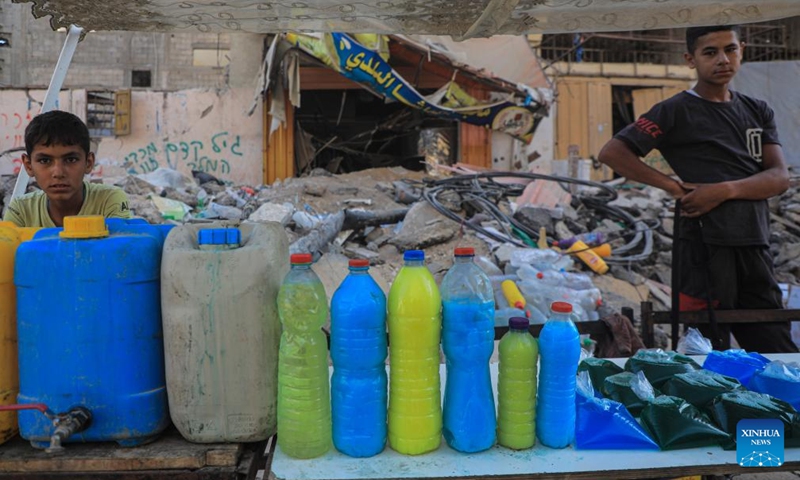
x,y
464,251
540,275
561,307
359,262
300,258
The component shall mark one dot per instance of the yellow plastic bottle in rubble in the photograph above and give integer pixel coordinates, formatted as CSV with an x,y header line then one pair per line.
x,y
10,238
415,324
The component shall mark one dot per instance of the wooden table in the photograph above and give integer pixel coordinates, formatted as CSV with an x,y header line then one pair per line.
x,y
170,458
537,463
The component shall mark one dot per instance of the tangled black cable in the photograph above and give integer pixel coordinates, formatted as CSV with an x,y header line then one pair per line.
x,y
483,194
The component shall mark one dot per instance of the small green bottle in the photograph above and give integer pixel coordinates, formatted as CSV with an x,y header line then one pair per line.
x,y
516,387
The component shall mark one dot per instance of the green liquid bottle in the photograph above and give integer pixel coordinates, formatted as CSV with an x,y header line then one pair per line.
x,y
304,400
516,387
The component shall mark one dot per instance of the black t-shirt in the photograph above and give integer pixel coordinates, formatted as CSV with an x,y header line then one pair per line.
x,y
711,142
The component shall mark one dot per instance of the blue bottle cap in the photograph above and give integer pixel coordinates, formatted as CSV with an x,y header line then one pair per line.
x,y
219,236
413,255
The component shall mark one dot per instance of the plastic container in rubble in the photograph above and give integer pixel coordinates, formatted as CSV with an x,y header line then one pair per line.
x,y
10,238
221,329
89,328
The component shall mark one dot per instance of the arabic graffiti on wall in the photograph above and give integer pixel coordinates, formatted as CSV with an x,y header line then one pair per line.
x,y
211,156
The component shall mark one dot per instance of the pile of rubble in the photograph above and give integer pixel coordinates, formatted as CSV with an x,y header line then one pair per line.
x,y
379,213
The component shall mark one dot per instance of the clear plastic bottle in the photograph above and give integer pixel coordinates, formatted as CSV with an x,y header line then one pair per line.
x,y
415,325
516,386
560,352
304,404
468,341
358,352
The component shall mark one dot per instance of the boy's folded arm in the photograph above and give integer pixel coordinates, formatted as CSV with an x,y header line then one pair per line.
x,y
623,160
773,180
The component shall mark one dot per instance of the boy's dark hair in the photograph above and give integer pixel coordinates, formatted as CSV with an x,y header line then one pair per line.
x,y
56,128
693,33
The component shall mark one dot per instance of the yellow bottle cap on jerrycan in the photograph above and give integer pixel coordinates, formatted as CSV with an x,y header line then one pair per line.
x,y
84,226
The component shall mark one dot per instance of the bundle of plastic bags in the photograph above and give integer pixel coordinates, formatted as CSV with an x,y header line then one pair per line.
x,y
780,380
700,387
735,363
598,369
728,408
605,424
673,422
659,366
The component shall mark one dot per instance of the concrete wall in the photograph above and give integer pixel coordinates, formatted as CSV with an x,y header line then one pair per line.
x,y
537,156
186,130
107,59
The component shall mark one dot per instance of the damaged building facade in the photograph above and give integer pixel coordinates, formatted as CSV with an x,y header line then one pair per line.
x,y
200,101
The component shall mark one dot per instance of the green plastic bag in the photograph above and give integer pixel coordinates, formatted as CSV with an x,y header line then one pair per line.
x,y
659,366
599,369
728,408
700,387
675,423
620,387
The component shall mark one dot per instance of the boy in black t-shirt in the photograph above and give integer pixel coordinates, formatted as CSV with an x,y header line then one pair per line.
x,y
724,148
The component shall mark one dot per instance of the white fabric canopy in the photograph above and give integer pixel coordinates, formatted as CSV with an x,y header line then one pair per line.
x,y
459,18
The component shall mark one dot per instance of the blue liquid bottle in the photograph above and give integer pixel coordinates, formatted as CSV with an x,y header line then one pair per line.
x,y
559,353
468,341
358,351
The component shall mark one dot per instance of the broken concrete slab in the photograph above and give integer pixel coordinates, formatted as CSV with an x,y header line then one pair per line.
x,y
175,194
143,207
273,212
356,251
133,185
787,253
535,217
314,189
424,226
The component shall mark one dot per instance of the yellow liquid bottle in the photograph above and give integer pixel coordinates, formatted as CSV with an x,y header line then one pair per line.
x,y
415,324
516,387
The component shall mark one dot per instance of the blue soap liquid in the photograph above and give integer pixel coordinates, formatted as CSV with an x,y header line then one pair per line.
x,y
559,353
469,423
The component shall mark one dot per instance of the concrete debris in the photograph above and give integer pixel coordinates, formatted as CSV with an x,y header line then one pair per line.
x,y
535,217
423,227
315,190
273,212
134,185
379,213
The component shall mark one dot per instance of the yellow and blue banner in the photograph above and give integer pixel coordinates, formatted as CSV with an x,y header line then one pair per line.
x,y
347,56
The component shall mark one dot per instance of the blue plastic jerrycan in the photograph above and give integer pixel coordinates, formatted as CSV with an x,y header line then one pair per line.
x,y
89,329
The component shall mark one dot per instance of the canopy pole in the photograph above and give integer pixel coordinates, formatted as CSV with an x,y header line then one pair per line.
x,y
51,97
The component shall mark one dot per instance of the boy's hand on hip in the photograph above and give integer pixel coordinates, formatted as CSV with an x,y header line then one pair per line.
x,y
703,197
